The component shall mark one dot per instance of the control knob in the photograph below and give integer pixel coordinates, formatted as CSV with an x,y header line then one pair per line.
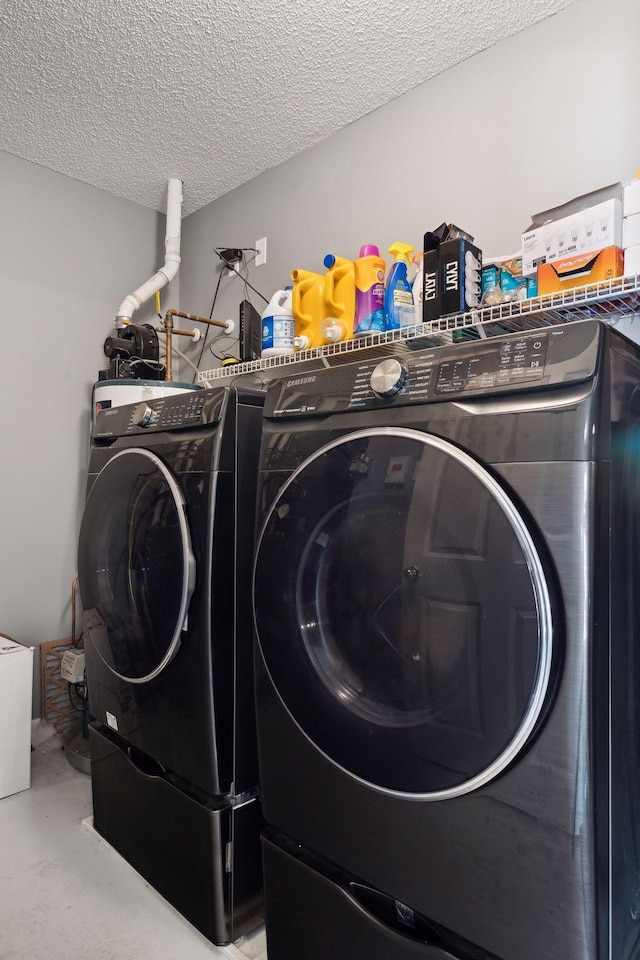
x,y
143,415
389,377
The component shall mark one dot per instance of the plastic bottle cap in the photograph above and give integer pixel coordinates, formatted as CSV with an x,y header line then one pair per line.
x,y
331,330
329,260
401,251
369,250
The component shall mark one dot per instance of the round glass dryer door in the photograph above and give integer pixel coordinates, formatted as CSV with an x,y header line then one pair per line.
x,y
136,567
403,614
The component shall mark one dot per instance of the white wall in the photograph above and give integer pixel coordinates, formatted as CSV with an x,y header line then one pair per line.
x,y
537,119
69,254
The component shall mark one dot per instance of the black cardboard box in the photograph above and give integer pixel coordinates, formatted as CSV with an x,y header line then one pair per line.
x,y
431,305
452,279
461,276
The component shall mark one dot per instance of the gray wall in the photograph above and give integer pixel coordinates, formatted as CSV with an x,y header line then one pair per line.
x,y
554,115
542,117
69,254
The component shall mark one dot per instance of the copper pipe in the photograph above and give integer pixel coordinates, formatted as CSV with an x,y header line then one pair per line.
x,y
195,318
185,333
168,326
169,330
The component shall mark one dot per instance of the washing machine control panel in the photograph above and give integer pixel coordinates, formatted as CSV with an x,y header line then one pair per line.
x,y
510,362
436,374
177,412
490,366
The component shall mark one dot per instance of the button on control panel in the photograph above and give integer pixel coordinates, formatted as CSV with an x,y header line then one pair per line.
x,y
388,378
143,415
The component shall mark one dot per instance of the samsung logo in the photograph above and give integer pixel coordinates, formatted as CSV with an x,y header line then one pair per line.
x,y
300,380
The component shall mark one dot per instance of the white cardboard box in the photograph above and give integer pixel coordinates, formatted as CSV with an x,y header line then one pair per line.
x,y
631,231
16,681
583,225
632,261
632,197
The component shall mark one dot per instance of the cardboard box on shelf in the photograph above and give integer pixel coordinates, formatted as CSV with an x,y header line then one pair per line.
x,y
631,202
579,271
517,287
632,261
490,279
583,225
631,231
503,281
460,272
452,269
431,294
452,279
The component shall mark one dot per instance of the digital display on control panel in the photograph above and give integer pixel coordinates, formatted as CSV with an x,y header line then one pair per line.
x,y
512,361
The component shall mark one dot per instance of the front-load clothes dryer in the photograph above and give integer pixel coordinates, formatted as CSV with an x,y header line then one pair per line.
x,y
165,558
447,686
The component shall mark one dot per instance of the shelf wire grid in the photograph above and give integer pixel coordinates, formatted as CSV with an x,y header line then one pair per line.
x,y
609,301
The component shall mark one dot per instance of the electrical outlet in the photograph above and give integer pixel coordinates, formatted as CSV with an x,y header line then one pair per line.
x,y
261,255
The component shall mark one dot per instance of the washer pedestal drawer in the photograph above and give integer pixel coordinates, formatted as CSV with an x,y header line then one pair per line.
x,y
201,853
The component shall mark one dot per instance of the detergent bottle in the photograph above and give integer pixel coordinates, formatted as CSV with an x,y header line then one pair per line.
x,y
369,271
278,325
309,308
417,287
340,299
398,298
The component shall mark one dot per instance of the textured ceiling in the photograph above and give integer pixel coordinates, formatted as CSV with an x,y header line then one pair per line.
x,y
124,94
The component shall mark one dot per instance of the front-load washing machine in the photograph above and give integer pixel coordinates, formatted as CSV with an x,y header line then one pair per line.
x,y
165,556
448,688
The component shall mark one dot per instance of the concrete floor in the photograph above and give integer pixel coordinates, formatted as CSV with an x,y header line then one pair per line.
x,y
65,894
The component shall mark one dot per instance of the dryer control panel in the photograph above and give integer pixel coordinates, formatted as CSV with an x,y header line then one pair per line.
x,y
177,412
496,365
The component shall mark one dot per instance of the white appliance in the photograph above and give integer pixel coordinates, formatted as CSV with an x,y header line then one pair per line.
x,y
16,678
118,393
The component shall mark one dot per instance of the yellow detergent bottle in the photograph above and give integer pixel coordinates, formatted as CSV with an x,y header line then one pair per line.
x,y
308,307
340,299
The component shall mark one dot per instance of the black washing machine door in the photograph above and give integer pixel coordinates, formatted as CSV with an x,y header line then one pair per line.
x,y
403,613
136,569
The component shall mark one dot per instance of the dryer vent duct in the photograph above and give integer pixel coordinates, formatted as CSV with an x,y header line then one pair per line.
x,y
171,265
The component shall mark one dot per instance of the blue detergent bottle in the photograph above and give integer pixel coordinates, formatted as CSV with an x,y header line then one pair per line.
x,y
398,296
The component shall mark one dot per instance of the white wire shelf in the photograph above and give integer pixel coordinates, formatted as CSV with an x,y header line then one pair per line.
x,y
606,301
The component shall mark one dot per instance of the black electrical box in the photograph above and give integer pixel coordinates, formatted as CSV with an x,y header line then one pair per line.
x,y
250,332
